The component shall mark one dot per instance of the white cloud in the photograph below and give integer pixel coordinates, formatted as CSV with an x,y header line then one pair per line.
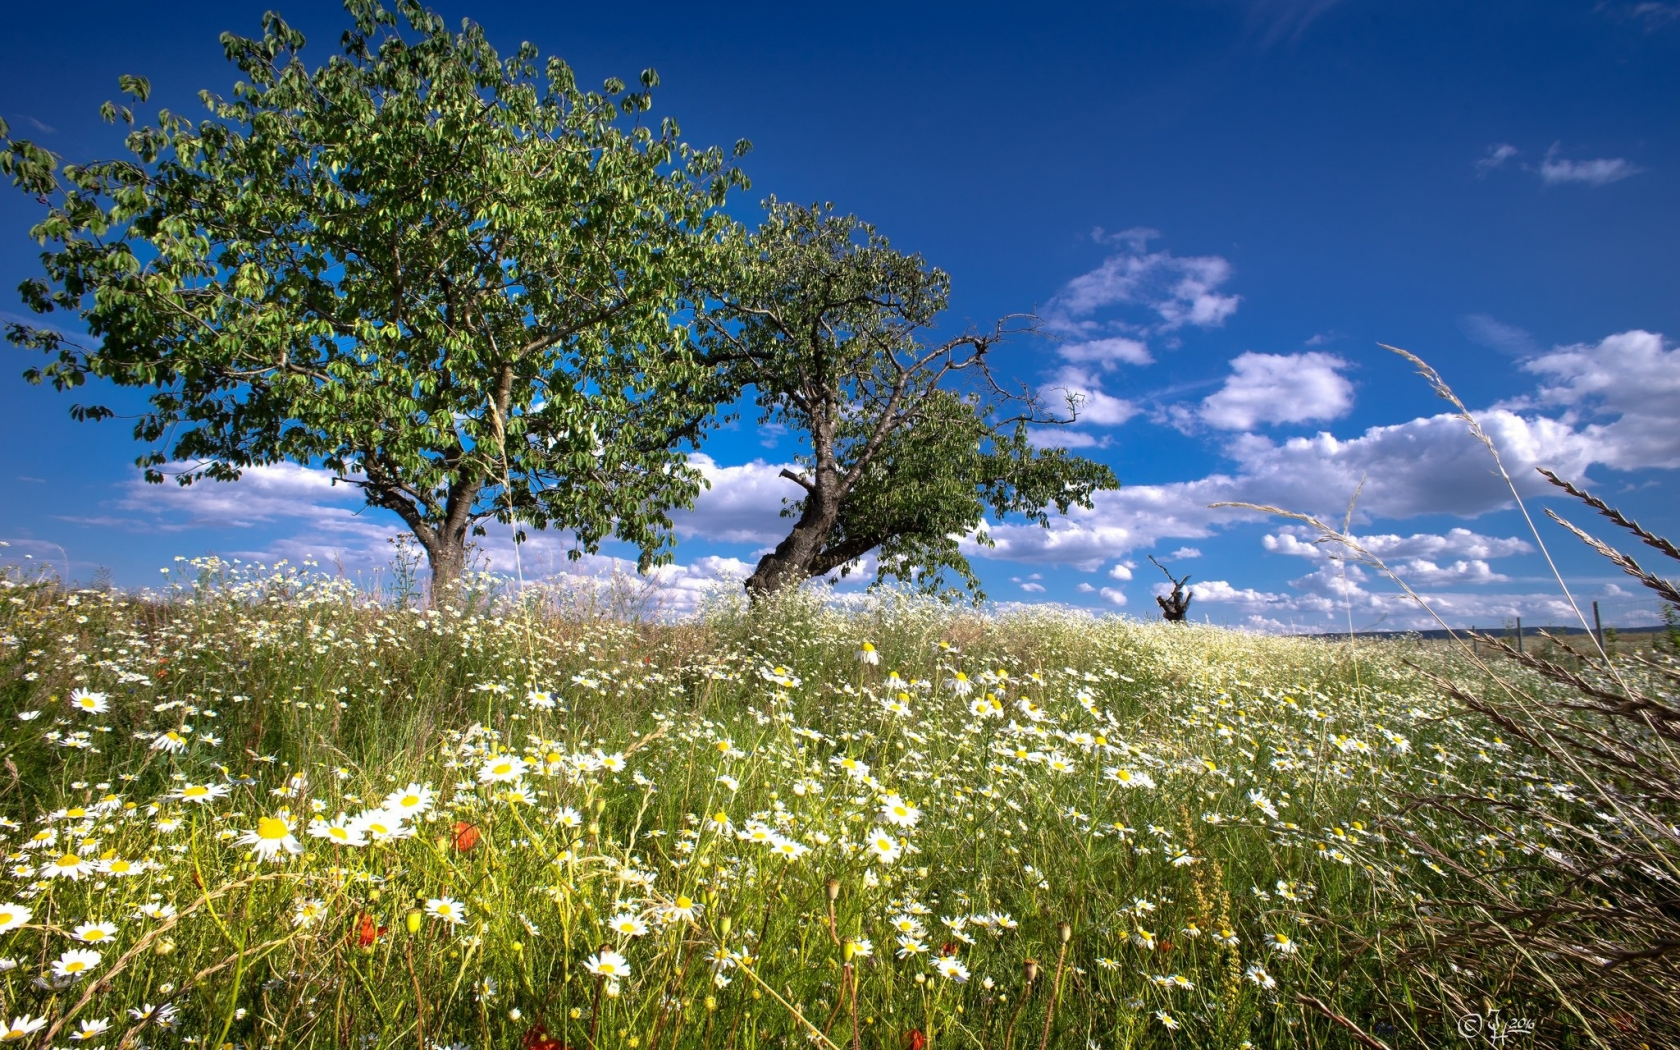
x,y
1095,408
1326,599
1630,376
1391,547
1415,558
1222,591
1495,157
1113,595
1555,170
1652,14
743,505
1279,388
1063,437
1428,465
1186,552
1421,572
1497,335
1602,171
1106,353
1177,290
1085,588
1122,570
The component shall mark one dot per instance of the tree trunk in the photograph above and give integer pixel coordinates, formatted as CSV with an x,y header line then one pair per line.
x,y
447,557
789,565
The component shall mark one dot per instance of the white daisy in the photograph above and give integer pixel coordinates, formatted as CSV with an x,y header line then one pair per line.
x,y
89,701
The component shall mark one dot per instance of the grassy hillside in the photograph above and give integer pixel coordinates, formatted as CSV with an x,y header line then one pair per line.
x,y
265,811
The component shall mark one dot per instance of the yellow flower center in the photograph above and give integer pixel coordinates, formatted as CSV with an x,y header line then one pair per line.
x,y
684,903
272,829
69,860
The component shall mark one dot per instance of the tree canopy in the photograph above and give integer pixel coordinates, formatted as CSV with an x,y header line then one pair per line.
x,y
908,444
428,268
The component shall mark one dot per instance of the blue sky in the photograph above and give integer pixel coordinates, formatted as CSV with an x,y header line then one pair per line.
x,y
1219,207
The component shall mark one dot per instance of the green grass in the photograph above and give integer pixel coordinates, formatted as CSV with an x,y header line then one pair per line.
x,y
1262,804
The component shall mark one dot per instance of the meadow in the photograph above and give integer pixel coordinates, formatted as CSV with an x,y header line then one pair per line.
x,y
260,808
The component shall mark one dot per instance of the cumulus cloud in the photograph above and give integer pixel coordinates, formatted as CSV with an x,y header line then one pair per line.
x,y
1113,596
1186,552
1421,572
324,520
1326,600
1616,398
1297,540
1279,388
1631,376
743,505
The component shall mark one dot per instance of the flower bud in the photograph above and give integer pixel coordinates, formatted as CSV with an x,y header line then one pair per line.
x,y
832,888
412,920
1064,931
1030,968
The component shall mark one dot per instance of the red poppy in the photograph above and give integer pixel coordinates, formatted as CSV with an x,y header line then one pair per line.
x,y
948,948
466,836
367,930
914,1039
537,1038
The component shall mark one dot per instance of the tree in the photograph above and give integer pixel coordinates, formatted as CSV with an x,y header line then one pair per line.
x,y
420,266
908,444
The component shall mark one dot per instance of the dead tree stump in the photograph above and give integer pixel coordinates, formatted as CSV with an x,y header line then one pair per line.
x,y
1175,605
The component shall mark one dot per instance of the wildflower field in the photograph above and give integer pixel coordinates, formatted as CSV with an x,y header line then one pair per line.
x,y
265,810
